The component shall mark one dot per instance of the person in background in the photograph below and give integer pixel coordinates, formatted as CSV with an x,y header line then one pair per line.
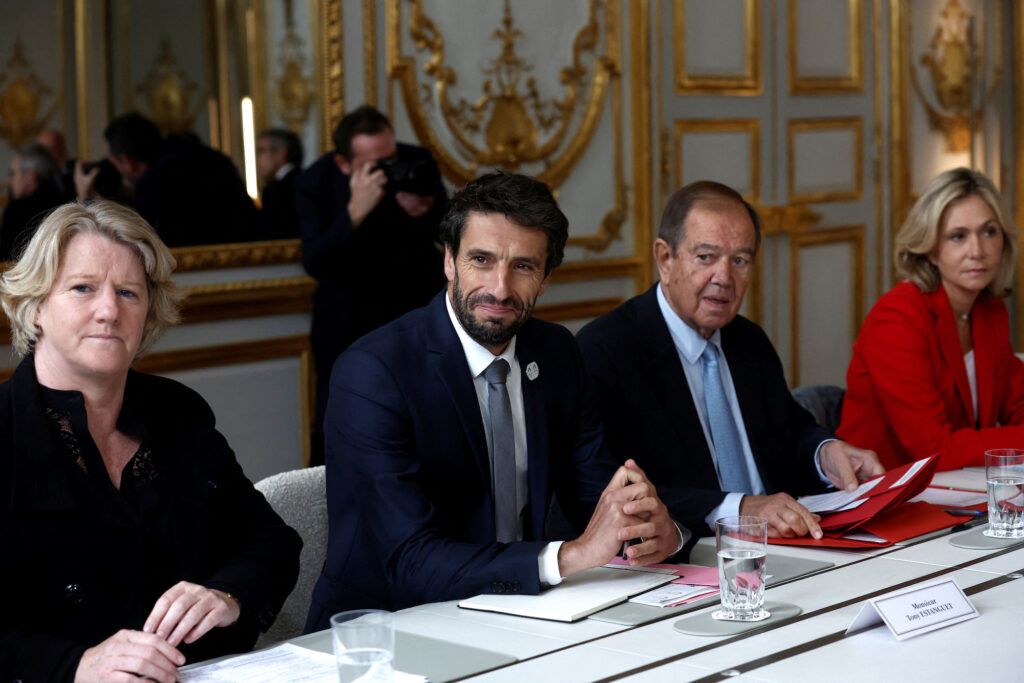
x,y
33,191
54,141
278,164
191,194
933,370
130,540
697,392
351,216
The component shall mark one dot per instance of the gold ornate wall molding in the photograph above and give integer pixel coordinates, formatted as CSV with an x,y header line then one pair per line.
x,y
294,91
237,255
23,108
370,51
852,234
748,127
330,66
958,94
796,127
511,124
170,94
749,82
824,85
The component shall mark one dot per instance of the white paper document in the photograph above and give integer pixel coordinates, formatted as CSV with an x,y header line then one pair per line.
x,y
672,594
576,597
951,497
967,479
909,474
836,500
285,662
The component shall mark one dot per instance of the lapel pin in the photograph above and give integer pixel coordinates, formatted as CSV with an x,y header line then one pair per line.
x,y
532,372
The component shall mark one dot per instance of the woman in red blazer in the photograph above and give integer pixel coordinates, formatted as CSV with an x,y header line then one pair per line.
x,y
933,370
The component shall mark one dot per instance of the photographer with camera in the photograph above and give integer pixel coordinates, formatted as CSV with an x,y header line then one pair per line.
x,y
370,204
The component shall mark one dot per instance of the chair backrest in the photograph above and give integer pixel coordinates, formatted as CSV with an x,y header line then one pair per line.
x,y
300,497
824,402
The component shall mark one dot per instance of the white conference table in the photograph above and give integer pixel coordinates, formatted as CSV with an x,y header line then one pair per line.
x,y
809,647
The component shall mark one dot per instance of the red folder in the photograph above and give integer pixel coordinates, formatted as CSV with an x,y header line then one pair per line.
x,y
894,525
884,512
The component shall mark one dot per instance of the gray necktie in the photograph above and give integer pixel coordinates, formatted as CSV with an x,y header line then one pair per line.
x,y
502,449
728,451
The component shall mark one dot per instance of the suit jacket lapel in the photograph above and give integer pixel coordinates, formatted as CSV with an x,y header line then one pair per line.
x,y
452,372
536,416
669,380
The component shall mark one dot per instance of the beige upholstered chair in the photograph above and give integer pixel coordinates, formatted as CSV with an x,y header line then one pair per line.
x,y
300,497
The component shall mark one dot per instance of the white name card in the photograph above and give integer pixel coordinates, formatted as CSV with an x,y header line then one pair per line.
x,y
920,609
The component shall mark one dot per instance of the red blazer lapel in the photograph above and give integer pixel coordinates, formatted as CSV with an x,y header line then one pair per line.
x,y
949,345
985,354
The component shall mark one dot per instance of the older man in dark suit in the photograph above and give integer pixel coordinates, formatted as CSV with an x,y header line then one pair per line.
x,y
449,430
696,393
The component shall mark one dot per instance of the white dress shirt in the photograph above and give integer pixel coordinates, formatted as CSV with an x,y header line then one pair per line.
x,y
690,345
479,358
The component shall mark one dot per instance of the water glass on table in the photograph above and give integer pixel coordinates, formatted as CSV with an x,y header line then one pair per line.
x,y
742,544
1004,474
364,645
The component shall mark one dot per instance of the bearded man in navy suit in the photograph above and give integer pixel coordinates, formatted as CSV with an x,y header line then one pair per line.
x,y
415,440
697,392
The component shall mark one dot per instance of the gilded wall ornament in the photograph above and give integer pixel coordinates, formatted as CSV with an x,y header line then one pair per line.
x,y
168,92
957,72
21,100
513,122
295,93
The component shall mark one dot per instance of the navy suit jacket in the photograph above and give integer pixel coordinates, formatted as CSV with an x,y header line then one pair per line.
x,y
408,479
649,413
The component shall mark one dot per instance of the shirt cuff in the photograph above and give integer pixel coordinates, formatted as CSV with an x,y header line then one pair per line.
x,y
684,536
817,463
547,565
729,507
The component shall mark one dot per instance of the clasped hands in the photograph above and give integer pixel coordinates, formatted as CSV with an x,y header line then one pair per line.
x,y
629,508
844,465
183,614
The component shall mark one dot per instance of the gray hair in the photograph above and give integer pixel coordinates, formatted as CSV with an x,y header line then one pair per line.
x,y
35,157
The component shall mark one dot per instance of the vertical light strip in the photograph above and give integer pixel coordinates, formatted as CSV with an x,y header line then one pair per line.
x,y
249,147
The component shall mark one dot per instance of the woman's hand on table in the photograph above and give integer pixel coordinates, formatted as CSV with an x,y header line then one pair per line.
x,y
127,655
187,611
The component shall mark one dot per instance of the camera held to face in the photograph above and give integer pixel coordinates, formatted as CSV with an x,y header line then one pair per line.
x,y
418,176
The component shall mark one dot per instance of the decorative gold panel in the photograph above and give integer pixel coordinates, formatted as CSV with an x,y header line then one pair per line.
x,y
956,70
747,83
854,234
798,126
750,127
510,124
293,91
823,85
23,112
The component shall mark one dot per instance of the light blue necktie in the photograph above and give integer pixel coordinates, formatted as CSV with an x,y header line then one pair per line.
x,y
728,451
502,449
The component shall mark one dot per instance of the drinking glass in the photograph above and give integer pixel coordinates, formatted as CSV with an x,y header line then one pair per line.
x,y
1004,474
364,645
742,544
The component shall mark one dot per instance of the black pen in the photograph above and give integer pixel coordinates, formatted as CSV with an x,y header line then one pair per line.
x,y
964,513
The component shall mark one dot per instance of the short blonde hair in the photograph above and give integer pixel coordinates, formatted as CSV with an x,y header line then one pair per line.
x,y
919,234
27,284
